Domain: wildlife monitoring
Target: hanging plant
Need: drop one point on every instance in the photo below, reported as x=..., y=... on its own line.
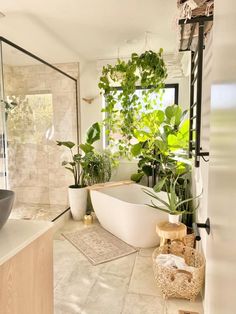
x=123, y=106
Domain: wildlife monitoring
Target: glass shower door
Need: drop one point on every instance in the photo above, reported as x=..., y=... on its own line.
x=3, y=160
x=41, y=109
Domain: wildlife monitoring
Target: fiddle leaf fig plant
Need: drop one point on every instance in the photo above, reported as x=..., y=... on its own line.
x=160, y=135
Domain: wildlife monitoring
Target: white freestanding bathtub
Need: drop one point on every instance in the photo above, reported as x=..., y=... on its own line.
x=122, y=211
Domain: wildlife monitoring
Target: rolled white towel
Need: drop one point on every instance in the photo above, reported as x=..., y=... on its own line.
x=171, y=260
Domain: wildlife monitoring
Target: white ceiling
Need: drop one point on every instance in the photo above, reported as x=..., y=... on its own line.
x=67, y=30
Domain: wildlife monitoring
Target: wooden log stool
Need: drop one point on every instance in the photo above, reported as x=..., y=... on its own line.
x=168, y=231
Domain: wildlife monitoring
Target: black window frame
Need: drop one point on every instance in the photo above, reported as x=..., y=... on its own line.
x=175, y=86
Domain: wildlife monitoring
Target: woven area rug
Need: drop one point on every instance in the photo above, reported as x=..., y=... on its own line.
x=99, y=245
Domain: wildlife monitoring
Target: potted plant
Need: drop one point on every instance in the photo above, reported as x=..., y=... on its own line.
x=173, y=205
x=77, y=166
x=160, y=135
x=97, y=167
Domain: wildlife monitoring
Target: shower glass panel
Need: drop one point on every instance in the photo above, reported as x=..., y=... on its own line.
x=3, y=178
x=40, y=108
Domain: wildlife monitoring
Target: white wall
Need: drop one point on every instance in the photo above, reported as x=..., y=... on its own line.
x=184, y=90
x=90, y=113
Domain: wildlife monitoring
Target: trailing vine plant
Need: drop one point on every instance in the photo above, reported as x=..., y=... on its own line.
x=148, y=71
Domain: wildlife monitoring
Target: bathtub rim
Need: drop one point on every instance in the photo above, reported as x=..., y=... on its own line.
x=100, y=190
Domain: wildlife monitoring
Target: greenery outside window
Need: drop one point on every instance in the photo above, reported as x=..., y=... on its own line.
x=166, y=97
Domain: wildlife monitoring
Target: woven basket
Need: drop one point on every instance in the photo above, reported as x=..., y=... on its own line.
x=204, y=8
x=189, y=240
x=175, y=282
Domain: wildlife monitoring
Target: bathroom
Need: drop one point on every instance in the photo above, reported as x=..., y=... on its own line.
x=52, y=60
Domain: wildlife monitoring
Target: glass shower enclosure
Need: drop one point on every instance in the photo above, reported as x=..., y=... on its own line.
x=38, y=106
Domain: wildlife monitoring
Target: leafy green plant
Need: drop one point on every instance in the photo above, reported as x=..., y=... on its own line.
x=158, y=139
x=147, y=70
x=162, y=137
x=77, y=162
x=74, y=164
x=97, y=167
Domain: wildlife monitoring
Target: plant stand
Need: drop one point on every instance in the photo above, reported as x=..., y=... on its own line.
x=169, y=231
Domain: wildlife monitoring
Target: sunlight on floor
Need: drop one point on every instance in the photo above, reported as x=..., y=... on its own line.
x=125, y=285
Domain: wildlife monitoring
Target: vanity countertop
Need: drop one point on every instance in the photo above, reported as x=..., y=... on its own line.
x=17, y=234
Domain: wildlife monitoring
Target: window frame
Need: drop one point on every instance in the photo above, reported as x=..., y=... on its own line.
x=175, y=86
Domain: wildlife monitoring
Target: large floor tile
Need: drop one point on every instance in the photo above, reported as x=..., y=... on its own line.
x=65, y=307
x=75, y=286
x=125, y=285
x=65, y=256
x=142, y=280
x=146, y=252
x=107, y=295
x=121, y=267
x=143, y=304
x=61, y=247
x=174, y=305
x=70, y=226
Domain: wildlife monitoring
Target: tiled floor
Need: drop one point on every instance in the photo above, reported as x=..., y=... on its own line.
x=37, y=211
x=125, y=285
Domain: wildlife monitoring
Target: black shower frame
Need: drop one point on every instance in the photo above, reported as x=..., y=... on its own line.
x=30, y=54
x=195, y=149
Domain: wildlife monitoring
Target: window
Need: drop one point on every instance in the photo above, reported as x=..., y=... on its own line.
x=167, y=98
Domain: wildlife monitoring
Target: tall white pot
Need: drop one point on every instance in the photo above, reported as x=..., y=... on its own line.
x=78, y=202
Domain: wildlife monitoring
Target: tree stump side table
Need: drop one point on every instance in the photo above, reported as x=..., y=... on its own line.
x=169, y=231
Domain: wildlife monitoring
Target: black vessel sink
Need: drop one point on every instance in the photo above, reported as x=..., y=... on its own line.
x=6, y=202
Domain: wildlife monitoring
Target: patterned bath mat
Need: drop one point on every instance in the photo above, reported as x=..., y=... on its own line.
x=99, y=245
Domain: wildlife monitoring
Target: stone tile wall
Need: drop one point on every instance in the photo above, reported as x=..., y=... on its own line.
x=35, y=170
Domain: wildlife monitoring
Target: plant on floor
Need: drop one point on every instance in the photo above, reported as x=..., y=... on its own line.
x=75, y=165
x=88, y=167
x=148, y=71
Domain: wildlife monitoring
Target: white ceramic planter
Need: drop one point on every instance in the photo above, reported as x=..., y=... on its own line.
x=174, y=219
x=78, y=202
